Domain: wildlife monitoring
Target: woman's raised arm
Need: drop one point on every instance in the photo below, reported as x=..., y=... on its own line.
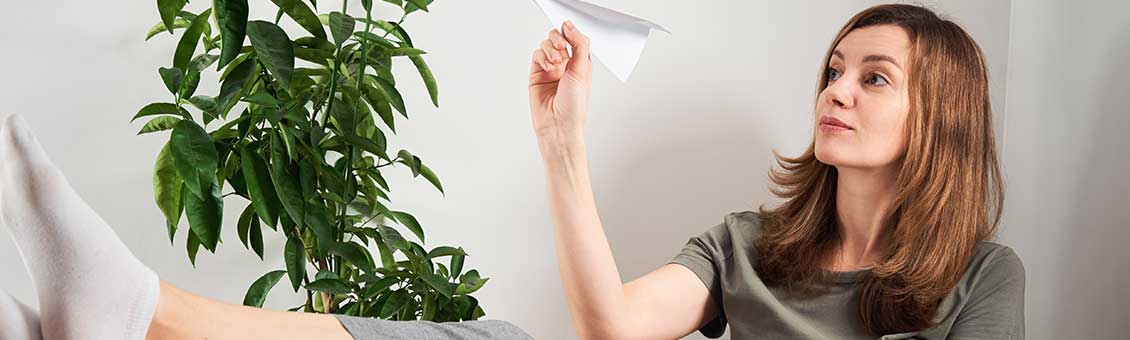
x=667, y=303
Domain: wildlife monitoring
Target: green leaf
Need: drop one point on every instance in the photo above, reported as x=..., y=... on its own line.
x=345, y=116
x=377, y=100
x=204, y=103
x=172, y=77
x=232, y=86
x=429, y=79
x=410, y=160
x=205, y=215
x=302, y=14
x=260, y=187
x=318, y=220
x=399, y=52
x=470, y=283
x=390, y=92
x=187, y=45
x=243, y=227
x=160, y=27
x=168, y=10
x=160, y=109
x=376, y=176
x=354, y=253
x=272, y=46
x=393, y=239
x=194, y=154
x=409, y=222
x=457, y=264
x=167, y=186
x=439, y=283
x=295, y=261
x=262, y=98
x=285, y=179
x=159, y=124
x=387, y=259
x=313, y=55
x=366, y=145
x=341, y=27
x=329, y=285
x=431, y=177
x=257, y=293
x=189, y=83
x=445, y=251
x=395, y=302
x=380, y=286
x=256, y=237
x=201, y=62
x=193, y=243
x=413, y=5
x=380, y=42
x=442, y=270
x=231, y=15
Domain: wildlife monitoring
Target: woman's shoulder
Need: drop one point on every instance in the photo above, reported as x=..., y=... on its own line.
x=997, y=256
x=992, y=266
x=735, y=233
x=743, y=225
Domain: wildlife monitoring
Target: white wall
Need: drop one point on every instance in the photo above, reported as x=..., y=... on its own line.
x=686, y=141
x=1066, y=165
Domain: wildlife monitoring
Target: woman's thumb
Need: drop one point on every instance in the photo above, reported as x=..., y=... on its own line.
x=580, y=60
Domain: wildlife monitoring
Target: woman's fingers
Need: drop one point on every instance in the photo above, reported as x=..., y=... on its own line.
x=554, y=55
x=540, y=59
x=558, y=40
x=553, y=52
x=580, y=61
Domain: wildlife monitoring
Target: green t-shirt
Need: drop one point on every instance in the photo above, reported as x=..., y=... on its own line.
x=988, y=303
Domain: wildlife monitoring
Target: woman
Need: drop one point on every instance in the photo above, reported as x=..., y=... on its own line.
x=883, y=229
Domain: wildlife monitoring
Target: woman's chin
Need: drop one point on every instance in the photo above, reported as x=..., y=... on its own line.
x=831, y=154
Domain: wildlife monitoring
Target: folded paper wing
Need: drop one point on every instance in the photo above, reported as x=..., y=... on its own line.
x=617, y=39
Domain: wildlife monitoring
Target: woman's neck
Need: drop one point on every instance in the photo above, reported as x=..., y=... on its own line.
x=863, y=200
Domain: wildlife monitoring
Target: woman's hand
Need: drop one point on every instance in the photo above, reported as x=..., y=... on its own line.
x=559, y=85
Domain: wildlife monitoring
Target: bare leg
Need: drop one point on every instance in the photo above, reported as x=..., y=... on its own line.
x=183, y=315
x=17, y=320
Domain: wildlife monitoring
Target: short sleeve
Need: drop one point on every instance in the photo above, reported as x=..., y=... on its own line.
x=702, y=255
x=995, y=309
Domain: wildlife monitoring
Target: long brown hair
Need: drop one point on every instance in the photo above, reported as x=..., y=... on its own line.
x=949, y=191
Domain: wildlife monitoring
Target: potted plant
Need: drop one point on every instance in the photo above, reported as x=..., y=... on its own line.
x=297, y=138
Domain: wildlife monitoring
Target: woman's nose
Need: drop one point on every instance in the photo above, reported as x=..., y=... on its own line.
x=839, y=94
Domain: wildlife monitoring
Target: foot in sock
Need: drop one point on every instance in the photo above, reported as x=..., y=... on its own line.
x=90, y=285
x=17, y=320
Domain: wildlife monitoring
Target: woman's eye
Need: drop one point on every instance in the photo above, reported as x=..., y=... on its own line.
x=876, y=78
x=833, y=74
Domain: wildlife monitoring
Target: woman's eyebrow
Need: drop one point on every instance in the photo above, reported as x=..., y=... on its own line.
x=872, y=58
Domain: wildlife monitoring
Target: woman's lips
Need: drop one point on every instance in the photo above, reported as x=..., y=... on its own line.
x=832, y=124
x=829, y=128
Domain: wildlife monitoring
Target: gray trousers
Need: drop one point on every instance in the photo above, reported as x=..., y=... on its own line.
x=374, y=329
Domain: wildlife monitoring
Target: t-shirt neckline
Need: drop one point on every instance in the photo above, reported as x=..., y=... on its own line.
x=853, y=276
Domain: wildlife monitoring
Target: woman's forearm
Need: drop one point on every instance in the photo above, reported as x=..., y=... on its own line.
x=588, y=270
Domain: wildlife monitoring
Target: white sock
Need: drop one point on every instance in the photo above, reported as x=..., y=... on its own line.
x=17, y=320
x=90, y=285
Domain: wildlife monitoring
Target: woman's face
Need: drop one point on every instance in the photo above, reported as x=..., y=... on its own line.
x=867, y=92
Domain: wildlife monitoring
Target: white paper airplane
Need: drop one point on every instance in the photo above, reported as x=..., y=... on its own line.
x=617, y=39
